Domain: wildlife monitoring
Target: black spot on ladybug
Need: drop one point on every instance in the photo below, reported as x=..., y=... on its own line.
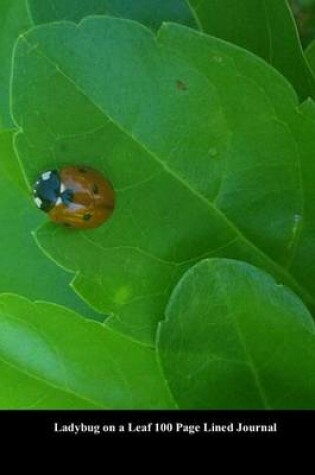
x=95, y=189
x=82, y=170
x=87, y=217
x=181, y=85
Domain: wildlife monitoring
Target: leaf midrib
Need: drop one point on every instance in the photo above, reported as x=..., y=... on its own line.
x=280, y=271
x=250, y=361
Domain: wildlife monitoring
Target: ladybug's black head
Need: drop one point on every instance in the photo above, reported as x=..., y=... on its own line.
x=46, y=190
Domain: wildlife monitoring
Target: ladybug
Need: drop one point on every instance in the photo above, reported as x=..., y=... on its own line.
x=77, y=196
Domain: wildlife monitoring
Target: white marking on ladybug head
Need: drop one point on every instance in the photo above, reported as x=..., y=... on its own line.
x=46, y=176
x=58, y=201
x=38, y=202
x=62, y=188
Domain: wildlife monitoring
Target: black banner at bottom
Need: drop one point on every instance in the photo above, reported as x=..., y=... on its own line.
x=157, y=424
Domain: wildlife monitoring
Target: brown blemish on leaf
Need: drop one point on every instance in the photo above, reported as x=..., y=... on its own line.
x=181, y=85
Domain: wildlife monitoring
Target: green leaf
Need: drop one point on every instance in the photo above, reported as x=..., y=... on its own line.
x=56, y=358
x=21, y=391
x=265, y=27
x=205, y=146
x=310, y=55
x=14, y=19
x=234, y=338
x=149, y=12
x=24, y=269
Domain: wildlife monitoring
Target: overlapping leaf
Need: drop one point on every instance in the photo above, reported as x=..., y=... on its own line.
x=203, y=144
x=234, y=338
x=52, y=357
x=265, y=27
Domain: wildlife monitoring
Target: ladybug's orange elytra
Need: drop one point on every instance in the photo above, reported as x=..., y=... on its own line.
x=76, y=196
